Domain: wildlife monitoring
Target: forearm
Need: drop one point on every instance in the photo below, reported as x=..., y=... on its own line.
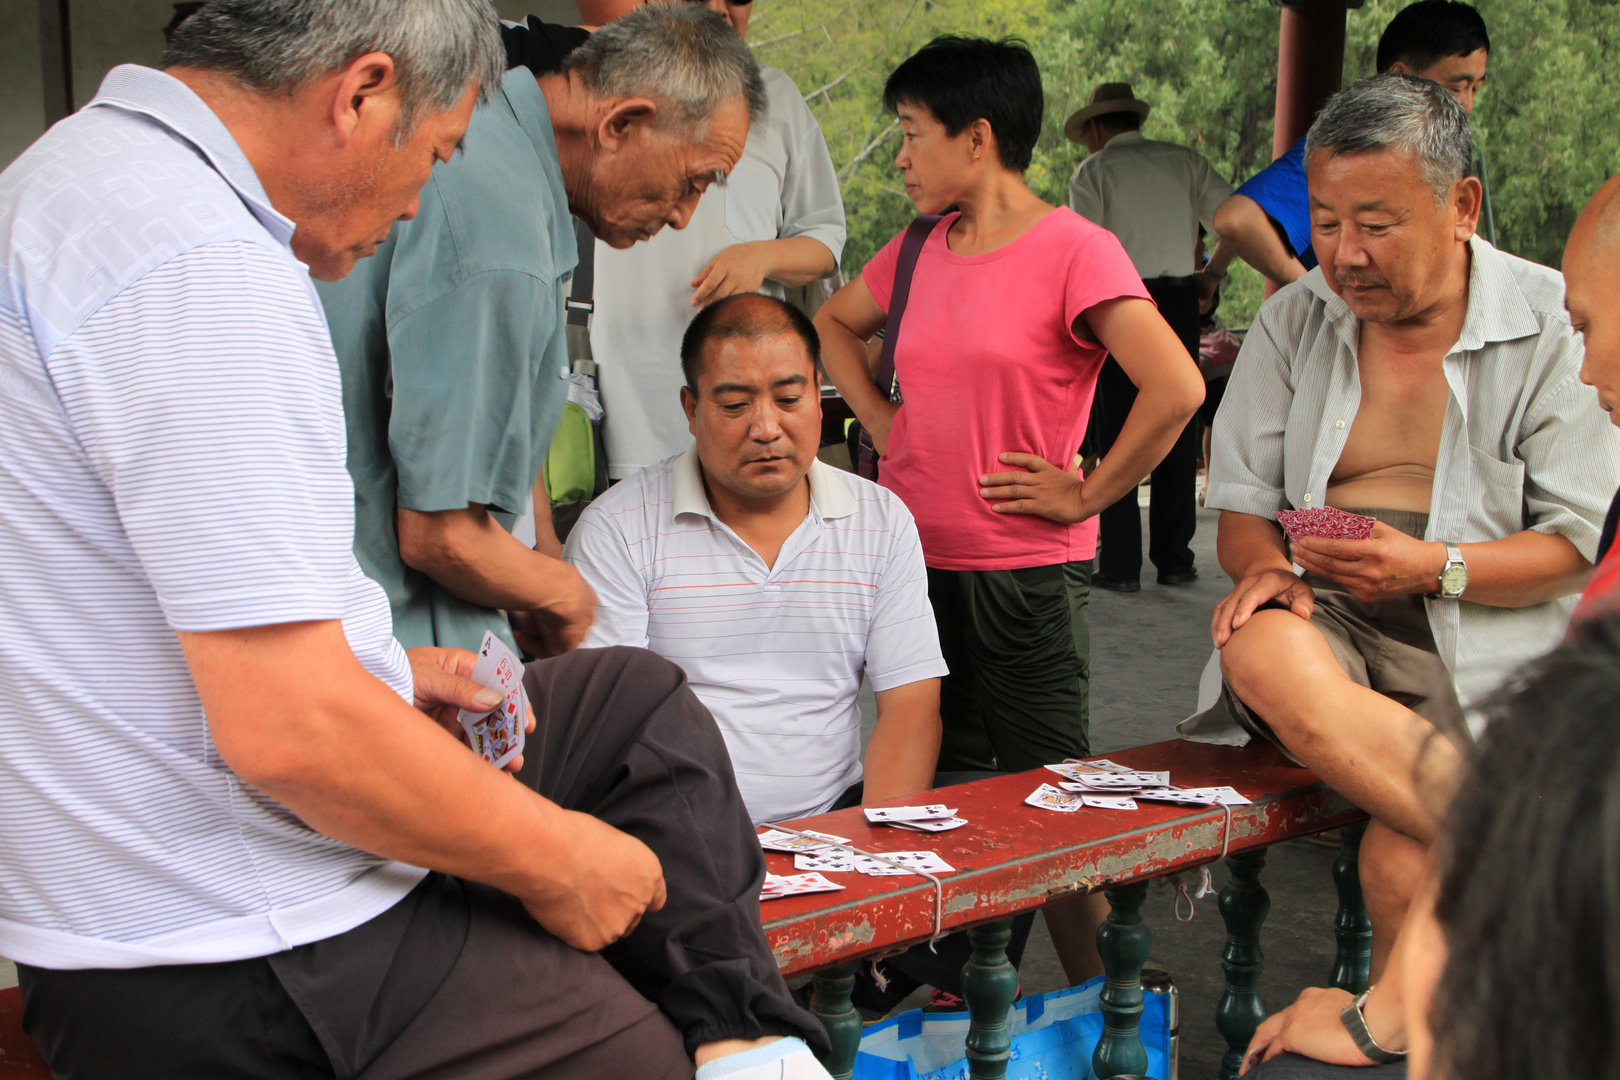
x=1247, y=232
x=904, y=749
x=1154, y=425
x=1219, y=259
x=1519, y=570
x=1247, y=544
x=797, y=260
x=545, y=530
x=470, y=555
x=843, y=355
x=357, y=763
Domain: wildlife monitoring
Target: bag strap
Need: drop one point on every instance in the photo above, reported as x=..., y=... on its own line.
x=910, y=247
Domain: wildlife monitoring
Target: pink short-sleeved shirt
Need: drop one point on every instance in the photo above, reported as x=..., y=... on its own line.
x=988, y=362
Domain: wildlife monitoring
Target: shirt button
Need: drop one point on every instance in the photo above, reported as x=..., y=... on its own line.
x=1307, y=496
x=1338, y=423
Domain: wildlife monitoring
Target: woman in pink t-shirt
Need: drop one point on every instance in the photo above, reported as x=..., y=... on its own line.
x=1013, y=305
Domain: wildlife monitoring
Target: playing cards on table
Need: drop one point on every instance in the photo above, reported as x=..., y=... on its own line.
x=497, y=736
x=776, y=887
x=1327, y=522
x=1104, y=785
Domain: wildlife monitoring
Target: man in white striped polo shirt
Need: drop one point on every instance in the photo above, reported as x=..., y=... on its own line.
x=229, y=846
x=1427, y=380
x=771, y=578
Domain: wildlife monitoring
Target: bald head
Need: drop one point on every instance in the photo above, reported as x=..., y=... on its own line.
x=744, y=317
x=1592, y=292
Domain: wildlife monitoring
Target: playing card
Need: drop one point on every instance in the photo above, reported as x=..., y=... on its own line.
x=882, y=815
x=945, y=825
x=777, y=840
x=1124, y=781
x=1079, y=770
x=497, y=736
x=1325, y=521
x=1109, y=802
x=1048, y=797
x=1180, y=796
x=831, y=862
x=776, y=887
x=927, y=861
x=867, y=865
x=1081, y=787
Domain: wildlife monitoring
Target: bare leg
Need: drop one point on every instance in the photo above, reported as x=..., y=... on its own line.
x=1073, y=925
x=1391, y=870
x=1365, y=746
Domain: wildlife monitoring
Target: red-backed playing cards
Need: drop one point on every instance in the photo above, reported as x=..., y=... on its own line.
x=1328, y=522
x=497, y=736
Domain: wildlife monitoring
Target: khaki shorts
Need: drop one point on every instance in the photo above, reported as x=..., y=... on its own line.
x=1385, y=646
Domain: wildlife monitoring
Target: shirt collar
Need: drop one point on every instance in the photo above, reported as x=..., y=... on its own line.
x=1124, y=138
x=1497, y=309
x=829, y=495
x=169, y=102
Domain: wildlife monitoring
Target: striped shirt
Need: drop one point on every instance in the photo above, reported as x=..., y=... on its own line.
x=777, y=652
x=171, y=459
x=1524, y=444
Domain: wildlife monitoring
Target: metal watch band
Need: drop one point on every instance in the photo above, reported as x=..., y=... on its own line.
x=1355, y=1022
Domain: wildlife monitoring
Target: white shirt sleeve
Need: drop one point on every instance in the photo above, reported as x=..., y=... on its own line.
x=902, y=645
x=811, y=203
x=1084, y=197
x=1246, y=472
x=598, y=551
x=1210, y=191
x=216, y=426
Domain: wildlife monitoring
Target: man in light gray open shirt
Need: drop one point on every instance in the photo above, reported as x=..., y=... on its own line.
x=1424, y=378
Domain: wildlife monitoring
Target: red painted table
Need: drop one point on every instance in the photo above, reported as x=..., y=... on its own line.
x=1013, y=858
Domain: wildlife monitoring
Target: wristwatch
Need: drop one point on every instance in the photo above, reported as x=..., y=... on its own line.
x=1355, y=1022
x=1453, y=576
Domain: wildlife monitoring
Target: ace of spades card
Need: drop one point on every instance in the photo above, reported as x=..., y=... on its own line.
x=497, y=736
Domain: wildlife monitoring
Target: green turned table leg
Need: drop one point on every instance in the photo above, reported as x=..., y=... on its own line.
x=1244, y=905
x=831, y=1006
x=989, y=984
x=1352, y=962
x=1123, y=942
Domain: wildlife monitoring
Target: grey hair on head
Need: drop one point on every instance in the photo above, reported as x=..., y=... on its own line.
x=439, y=47
x=684, y=57
x=1398, y=112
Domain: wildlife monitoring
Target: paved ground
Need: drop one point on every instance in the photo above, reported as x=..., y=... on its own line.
x=1147, y=651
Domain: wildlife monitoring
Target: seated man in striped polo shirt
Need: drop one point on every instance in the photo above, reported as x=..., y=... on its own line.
x=774, y=580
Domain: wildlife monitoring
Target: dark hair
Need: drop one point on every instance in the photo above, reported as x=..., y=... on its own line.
x=751, y=316
x=1429, y=31
x=1116, y=122
x=963, y=79
x=1530, y=877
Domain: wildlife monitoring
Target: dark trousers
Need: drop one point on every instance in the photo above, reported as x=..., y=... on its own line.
x=1018, y=646
x=457, y=980
x=1173, y=512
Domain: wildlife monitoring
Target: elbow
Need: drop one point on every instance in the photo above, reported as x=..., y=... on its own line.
x=278, y=750
x=1234, y=221
x=429, y=544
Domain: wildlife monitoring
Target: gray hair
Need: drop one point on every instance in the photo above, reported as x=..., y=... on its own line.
x=439, y=47
x=682, y=56
x=1398, y=112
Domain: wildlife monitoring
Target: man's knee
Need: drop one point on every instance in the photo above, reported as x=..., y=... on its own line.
x=1390, y=866
x=1273, y=662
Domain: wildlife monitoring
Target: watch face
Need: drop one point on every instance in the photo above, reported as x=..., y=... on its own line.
x=1454, y=579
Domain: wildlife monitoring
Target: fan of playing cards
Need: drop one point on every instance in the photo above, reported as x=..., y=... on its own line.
x=1327, y=522
x=1105, y=785
x=497, y=736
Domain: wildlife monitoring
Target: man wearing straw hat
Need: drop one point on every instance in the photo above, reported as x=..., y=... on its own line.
x=1153, y=196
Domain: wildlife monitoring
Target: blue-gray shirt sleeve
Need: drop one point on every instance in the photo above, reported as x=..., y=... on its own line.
x=479, y=381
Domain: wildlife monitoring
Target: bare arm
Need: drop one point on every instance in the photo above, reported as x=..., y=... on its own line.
x=846, y=322
x=545, y=530
x=1169, y=391
x=793, y=261
x=904, y=748
x=471, y=555
x=1247, y=232
x=1526, y=568
x=289, y=706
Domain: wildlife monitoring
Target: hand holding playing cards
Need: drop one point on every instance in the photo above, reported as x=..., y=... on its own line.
x=1043, y=489
x=561, y=624
x=606, y=880
x=1255, y=590
x=443, y=687
x=1387, y=564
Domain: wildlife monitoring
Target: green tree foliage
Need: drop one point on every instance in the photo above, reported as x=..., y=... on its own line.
x=1547, y=118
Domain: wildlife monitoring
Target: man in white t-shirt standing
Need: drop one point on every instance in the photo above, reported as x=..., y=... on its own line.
x=774, y=580
x=778, y=221
x=230, y=845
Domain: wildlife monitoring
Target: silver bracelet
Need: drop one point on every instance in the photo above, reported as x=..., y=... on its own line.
x=1355, y=1022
